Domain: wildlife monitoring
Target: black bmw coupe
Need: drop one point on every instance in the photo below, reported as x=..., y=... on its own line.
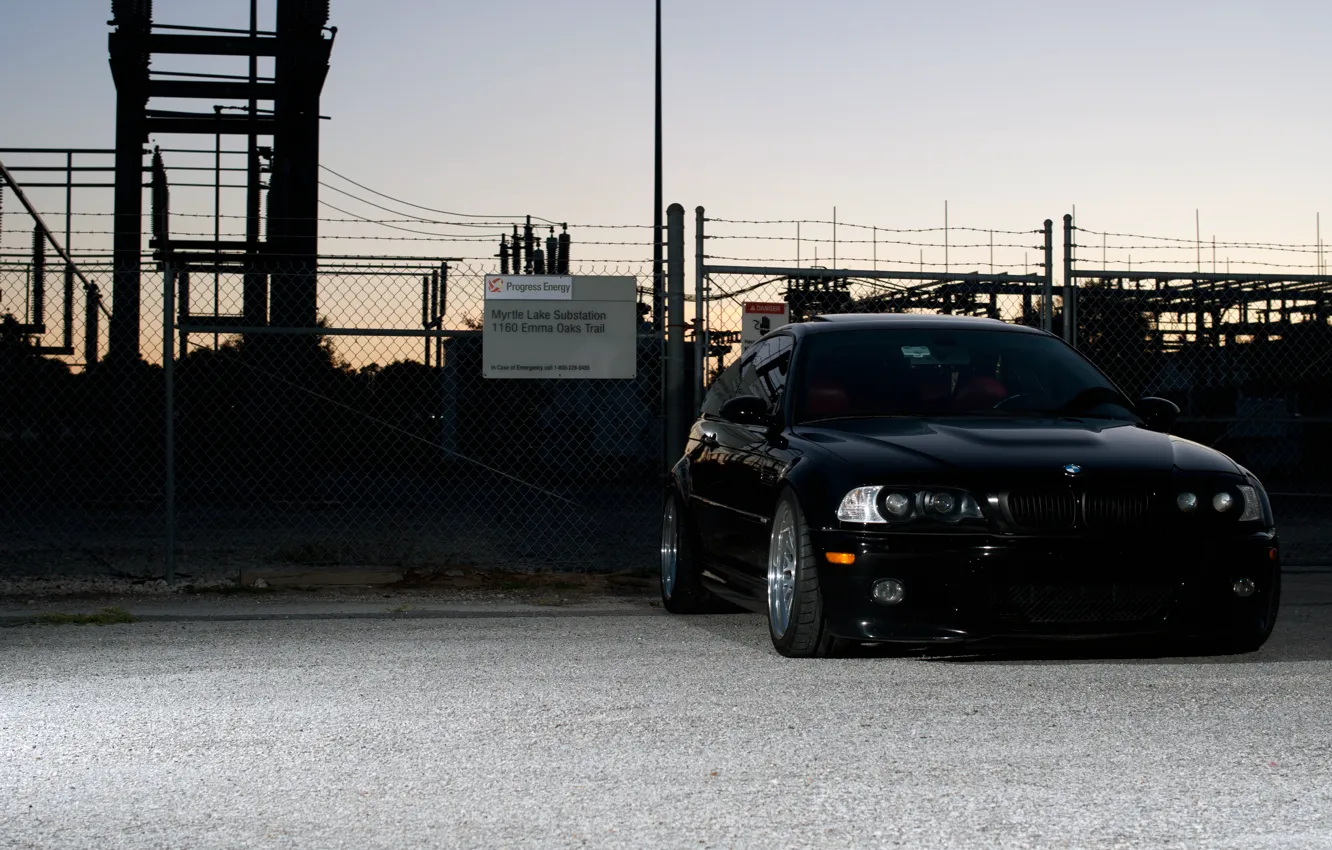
x=944, y=480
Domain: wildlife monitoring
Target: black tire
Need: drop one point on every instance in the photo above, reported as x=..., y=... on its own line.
x=682, y=592
x=1251, y=630
x=805, y=633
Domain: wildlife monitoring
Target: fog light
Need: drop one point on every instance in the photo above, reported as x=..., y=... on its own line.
x=1243, y=588
x=1187, y=502
x=887, y=591
x=1223, y=502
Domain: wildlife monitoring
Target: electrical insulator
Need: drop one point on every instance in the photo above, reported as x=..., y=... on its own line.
x=538, y=261
x=517, y=252
x=529, y=243
x=504, y=254
x=564, y=253
x=552, y=253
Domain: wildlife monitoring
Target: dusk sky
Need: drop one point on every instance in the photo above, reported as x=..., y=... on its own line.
x=1137, y=112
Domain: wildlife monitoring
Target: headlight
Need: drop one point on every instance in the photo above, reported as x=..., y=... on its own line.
x=1237, y=503
x=879, y=505
x=1253, y=508
x=861, y=505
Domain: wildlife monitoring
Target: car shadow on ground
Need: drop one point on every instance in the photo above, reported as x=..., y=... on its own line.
x=1303, y=633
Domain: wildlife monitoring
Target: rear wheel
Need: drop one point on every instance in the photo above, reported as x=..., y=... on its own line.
x=795, y=604
x=681, y=590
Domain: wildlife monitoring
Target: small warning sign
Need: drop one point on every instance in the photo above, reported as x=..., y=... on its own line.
x=760, y=317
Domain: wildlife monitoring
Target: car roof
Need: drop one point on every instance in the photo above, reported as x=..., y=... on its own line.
x=833, y=322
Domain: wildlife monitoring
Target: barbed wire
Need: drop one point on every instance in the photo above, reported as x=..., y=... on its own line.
x=829, y=222
x=1194, y=243
x=1206, y=263
x=1206, y=246
x=831, y=241
x=886, y=263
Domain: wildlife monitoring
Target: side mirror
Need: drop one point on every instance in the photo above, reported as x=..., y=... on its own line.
x=1158, y=414
x=746, y=410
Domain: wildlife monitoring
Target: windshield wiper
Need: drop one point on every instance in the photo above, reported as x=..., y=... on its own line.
x=1091, y=397
x=858, y=416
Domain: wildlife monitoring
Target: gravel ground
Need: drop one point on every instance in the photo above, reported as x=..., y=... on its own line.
x=623, y=727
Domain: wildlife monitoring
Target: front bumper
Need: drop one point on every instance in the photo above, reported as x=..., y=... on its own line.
x=964, y=588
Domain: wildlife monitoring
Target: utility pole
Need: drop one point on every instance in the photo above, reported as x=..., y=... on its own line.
x=658, y=283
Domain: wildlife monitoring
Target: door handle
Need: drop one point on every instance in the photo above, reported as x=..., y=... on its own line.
x=709, y=439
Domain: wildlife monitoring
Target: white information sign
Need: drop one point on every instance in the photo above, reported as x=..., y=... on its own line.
x=760, y=317
x=554, y=326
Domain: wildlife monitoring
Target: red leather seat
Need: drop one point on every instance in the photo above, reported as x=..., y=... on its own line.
x=825, y=398
x=978, y=393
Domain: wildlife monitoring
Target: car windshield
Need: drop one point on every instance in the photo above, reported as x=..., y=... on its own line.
x=947, y=372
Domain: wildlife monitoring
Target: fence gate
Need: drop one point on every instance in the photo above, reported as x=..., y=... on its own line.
x=384, y=445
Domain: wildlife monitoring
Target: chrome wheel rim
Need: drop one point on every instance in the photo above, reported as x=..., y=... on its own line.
x=670, y=547
x=781, y=570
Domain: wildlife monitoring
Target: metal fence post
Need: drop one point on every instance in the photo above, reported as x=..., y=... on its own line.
x=700, y=329
x=169, y=399
x=1070, y=290
x=1047, y=292
x=676, y=422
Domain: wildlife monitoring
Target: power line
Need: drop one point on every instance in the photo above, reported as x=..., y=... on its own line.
x=420, y=207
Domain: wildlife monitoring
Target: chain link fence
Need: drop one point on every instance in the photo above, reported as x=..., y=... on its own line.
x=371, y=440
x=1238, y=335
x=81, y=437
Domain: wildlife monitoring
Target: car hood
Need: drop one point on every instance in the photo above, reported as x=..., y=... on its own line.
x=1097, y=446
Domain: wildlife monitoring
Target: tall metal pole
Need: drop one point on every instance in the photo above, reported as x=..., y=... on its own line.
x=945, y=236
x=658, y=281
x=254, y=288
x=169, y=398
x=1070, y=291
x=677, y=423
x=69, y=198
x=1047, y=291
x=700, y=329
x=217, y=223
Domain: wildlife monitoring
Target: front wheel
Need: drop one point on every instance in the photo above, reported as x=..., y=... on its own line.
x=795, y=604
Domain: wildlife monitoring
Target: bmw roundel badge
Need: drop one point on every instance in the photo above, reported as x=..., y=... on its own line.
x=1072, y=469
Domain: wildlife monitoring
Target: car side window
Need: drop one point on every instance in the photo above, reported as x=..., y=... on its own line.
x=738, y=379
x=751, y=368
x=724, y=387
x=770, y=370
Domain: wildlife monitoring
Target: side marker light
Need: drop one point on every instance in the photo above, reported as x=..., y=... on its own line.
x=840, y=557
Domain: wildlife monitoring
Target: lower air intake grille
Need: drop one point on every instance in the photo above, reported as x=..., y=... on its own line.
x=1090, y=603
x=1049, y=510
